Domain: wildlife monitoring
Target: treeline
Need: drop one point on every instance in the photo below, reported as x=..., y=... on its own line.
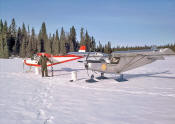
x=23, y=42
x=118, y=48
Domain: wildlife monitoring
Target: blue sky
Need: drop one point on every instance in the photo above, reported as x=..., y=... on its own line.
x=123, y=22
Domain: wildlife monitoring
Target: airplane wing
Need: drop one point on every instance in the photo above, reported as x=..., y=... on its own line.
x=136, y=58
x=146, y=52
x=55, y=59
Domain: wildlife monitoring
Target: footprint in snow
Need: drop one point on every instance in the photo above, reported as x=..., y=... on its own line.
x=49, y=120
x=41, y=114
x=49, y=105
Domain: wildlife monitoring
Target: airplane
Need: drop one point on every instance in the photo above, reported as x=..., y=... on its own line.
x=61, y=59
x=58, y=59
x=121, y=61
x=54, y=59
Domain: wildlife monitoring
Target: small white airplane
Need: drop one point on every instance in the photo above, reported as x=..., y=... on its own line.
x=58, y=59
x=54, y=59
x=122, y=61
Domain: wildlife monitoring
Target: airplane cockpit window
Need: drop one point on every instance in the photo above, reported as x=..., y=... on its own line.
x=35, y=57
x=115, y=60
x=107, y=60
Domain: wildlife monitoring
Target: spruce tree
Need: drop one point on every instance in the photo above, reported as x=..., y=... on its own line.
x=67, y=44
x=50, y=40
x=40, y=43
x=109, y=49
x=47, y=44
x=23, y=49
x=18, y=41
x=62, y=42
x=3, y=42
x=28, y=30
x=1, y=26
x=32, y=45
x=44, y=44
x=1, y=46
x=105, y=48
x=29, y=50
x=24, y=42
x=82, y=39
x=100, y=47
x=12, y=39
x=5, y=37
x=93, y=44
x=34, y=41
x=56, y=44
x=29, y=44
x=12, y=28
x=87, y=41
x=6, y=51
x=72, y=39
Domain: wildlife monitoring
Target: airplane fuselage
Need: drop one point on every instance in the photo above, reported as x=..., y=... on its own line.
x=92, y=54
x=126, y=60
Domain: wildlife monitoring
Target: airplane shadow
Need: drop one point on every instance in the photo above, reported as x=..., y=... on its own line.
x=60, y=74
x=155, y=74
x=65, y=69
x=68, y=69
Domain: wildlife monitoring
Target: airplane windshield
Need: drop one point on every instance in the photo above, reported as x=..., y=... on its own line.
x=115, y=60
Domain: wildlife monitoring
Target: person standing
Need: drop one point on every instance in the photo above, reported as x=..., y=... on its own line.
x=43, y=62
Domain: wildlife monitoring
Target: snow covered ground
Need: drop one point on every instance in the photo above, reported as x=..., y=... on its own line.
x=147, y=98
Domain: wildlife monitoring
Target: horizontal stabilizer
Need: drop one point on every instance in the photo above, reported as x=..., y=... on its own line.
x=167, y=51
x=156, y=57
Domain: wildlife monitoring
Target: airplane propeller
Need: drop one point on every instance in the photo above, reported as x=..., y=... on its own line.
x=86, y=63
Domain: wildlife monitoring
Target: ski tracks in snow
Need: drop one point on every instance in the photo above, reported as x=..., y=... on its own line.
x=43, y=101
x=46, y=98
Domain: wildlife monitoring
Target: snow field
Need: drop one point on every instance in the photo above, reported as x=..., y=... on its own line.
x=148, y=97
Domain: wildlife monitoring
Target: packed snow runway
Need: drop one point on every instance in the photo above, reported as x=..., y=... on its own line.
x=148, y=97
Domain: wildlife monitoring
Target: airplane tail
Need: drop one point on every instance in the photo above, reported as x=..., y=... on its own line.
x=82, y=49
x=46, y=54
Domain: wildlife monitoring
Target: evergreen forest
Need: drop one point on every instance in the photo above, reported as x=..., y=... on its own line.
x=25, y=42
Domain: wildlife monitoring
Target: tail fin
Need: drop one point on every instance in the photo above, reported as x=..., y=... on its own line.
x=46, y=54
x=82, y=49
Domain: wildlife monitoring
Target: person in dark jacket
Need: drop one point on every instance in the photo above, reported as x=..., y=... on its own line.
x=43, y=62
